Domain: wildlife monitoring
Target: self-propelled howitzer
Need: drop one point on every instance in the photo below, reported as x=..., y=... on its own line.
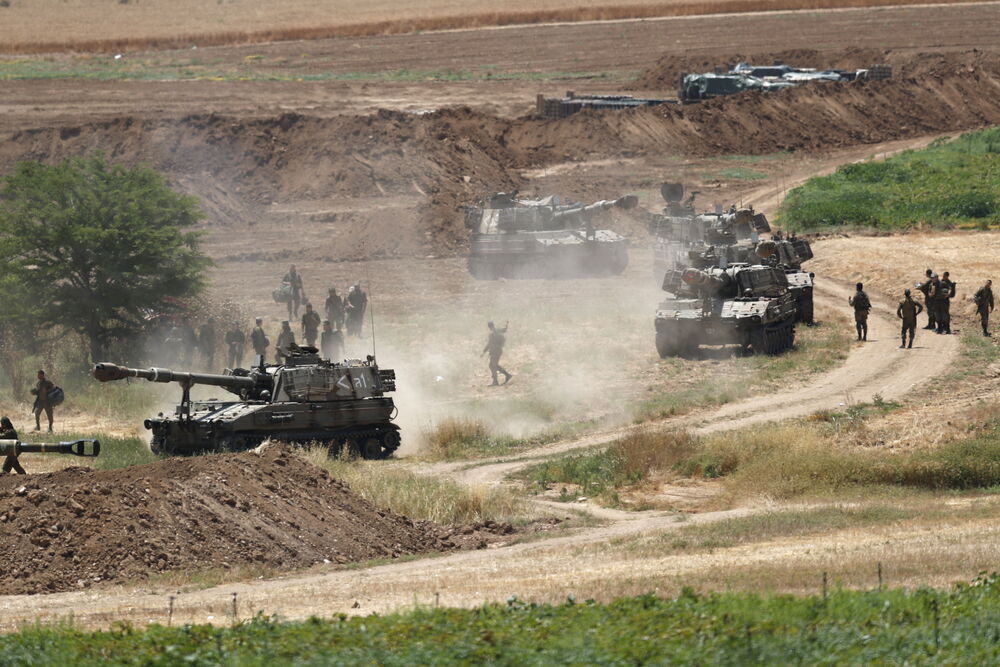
x=303, y=400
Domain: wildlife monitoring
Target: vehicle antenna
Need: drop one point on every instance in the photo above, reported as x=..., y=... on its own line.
x=371, y=299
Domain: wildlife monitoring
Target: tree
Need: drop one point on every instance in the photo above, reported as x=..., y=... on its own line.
x=91, y=247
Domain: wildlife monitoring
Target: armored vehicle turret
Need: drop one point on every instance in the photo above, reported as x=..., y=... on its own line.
x=543, y=238
x=746, y=305
x=303, y=400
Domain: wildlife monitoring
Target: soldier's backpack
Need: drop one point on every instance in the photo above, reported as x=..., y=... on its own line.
x=56, y=396
x=283, y=294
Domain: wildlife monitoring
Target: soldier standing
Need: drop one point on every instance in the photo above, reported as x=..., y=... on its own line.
x=189, y=341
x=286, y=338
x=42, y=401
x=331, y=342
x=235, y=341
x=862, y=306
x=944, y=293
x=7, y=432
x=494, y=345
x=206, y=343
x=907, y=311
x=259, y=339
x=310, y=325
x=357, y=302
x=984, y=305
x=334, y=308
x=925, y=289
x=294, y=280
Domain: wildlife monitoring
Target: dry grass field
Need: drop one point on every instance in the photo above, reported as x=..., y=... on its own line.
x=86, y=25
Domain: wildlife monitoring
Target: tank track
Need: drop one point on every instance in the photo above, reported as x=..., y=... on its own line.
x=368, y=443
x=773, y=339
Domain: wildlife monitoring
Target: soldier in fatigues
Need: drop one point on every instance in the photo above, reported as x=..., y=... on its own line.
x=235, y=341
x=334, y=309
x=206, y=343
x=984, y=305
x=42, y=402
x=7, y=432
x=310, y=325
x=862, y=306
x=944, y=292
x=259, y=339
x=494, y=345
x=286, y=338
x=294, y=280
x=925, y=289
x=907, y=311
x=331, y=342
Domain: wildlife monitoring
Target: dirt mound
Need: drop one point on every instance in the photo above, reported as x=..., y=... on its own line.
x=77, y=527
x=392, y=183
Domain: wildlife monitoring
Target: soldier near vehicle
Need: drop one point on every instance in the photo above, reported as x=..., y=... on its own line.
x=494, y=345
x=44, y=400
x=189, y=340
x=259, y=339
x=334, y=309
x=925, y=289
x=944, y=292
x=862, y=306
x=10, y=462
x=984, y=305
x=207, y=342
x=235, y=341
x=286, y=338
x=310, y=325
x=294, y=281
x=907, y=311
x=331, y=342
x=357, y=302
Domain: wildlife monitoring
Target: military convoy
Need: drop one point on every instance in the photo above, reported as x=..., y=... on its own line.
x=543, y=238
x=303, y=400
x=718, y=245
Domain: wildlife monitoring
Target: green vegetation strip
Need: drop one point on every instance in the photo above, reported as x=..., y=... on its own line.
x=951, y=183
x=856, y=627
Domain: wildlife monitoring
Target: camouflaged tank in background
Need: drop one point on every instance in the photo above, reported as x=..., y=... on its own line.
x=304, y=400
x=543, y=238
x=746, y=305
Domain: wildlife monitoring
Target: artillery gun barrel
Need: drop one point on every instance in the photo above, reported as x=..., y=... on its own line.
x=76, y=447
x=702, y=280
x=106, y=372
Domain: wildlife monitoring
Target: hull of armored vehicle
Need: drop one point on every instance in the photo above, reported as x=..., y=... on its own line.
x=362, y=426
x=548, y=254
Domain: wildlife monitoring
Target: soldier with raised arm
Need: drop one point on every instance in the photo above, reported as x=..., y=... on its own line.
x=494, y=345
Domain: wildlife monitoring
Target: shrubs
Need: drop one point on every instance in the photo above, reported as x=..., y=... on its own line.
x=459, y=438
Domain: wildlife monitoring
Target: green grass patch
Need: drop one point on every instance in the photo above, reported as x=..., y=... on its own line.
x=950, y=183
x=924, y=626
x=736, y=174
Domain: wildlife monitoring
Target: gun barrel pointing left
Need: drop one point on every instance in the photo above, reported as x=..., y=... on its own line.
x=76, y=447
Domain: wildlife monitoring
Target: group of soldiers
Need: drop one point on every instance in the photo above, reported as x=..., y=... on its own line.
x=347, y=312
x=938, y=294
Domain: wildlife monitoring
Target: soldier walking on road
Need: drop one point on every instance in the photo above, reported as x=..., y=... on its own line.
x=494, y=345
x=235, y=341
x=259, y=339
x=925, y=289
x=43, y=401
x=334, y=308
x=294, y=280
x=331, y=342
x=286, y=338
x=984, y=305
x=944, y=293
x=310, y=325
x=206, y=343
x=907, y=311
x=862, y=306
x=7, y=432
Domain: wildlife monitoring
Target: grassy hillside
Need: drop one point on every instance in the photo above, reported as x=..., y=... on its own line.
x=951, y=183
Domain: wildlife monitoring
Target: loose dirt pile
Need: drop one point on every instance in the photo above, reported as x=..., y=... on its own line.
x=78, y=527
x=420, y=168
